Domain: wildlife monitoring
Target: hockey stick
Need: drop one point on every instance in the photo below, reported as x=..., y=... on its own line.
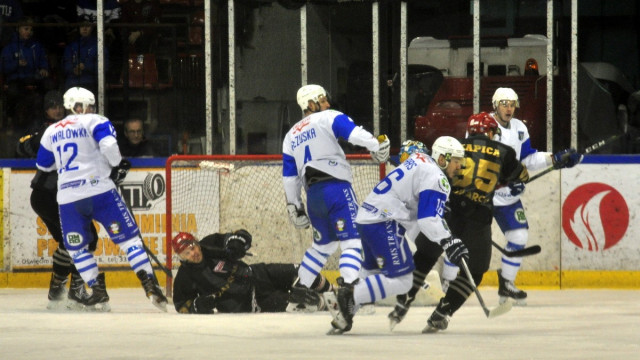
x=532, y=250
x=587, y=150
x=503, y=308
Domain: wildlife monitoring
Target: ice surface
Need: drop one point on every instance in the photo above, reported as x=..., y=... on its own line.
x=566, y=324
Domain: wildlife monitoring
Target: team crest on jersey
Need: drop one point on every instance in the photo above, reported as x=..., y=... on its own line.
x=340, y=225
x=114, y=228
x=519, y=215
x=316, y=235
x=380, y=261
x=444, y=184
x=74, y=238
x=520, y=135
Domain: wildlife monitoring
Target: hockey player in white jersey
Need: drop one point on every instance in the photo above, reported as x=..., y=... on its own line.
x=508, y=208
x=410, y=200
x=313, y=159
x=82, y=148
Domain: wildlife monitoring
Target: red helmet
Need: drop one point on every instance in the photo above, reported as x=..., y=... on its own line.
x=182, y=241
x=482, y=123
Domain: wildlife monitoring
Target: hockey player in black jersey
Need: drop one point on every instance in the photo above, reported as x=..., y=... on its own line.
x=488, y=164
x=213, y=278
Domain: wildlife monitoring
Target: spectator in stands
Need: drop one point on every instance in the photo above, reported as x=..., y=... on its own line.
x=142, y=40
x=10, y=12
x=81, y=60
x=26, y=71
x=134, y=143
x=87, y=11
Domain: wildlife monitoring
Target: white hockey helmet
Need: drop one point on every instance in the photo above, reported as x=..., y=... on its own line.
x=310, y=92
x=504, y=94
x=447, y=146
x=77, y=95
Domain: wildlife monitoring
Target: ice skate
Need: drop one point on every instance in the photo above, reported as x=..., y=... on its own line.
x=57, y=290
x=78, y=295
x=400, y=310
x=99, y=299
x=507, y=290
x=439, y=319
x=342, y=307
x=303, y=299
x=152, y=290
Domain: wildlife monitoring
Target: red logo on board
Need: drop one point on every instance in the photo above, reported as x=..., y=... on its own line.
x=595, y=216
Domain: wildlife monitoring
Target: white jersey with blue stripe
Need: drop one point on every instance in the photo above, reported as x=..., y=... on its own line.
x=414, y=195
x=82, y=149
x=313, y=142
x=516, y=135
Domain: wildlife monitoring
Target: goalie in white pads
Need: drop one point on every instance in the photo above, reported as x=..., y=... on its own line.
x=82, y=148
x=312, y=158
x=408, y=201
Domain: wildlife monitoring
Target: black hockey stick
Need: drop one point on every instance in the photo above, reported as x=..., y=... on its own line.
x=588, y=150
x=503, y=308
x=532, y=250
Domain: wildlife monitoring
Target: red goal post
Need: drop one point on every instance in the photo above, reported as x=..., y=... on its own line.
x=222, y=193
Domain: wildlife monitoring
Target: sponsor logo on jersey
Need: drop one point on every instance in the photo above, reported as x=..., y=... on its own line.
x=370, y=208
x=316, y=235
x=444, y=184
x=72, y=184
x=114, y=227
x=333, y=163
x=340, y=225
x=380, y=261
x=519, y=215
x=520, y=135
x=219, y=268
x=595, y=216
x=300, y=125
x=74, y=238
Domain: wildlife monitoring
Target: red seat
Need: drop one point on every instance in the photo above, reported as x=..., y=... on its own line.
x=143, y=71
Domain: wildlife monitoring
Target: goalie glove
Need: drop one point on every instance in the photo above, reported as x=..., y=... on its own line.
x=382, y=155
x=118, y=173
x=236, y=244
x=298, y=217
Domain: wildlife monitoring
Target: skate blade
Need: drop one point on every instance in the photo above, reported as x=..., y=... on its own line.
x=516, y=302
x=99, y=307
x=501, y=309
x=335, y=331
x=393, y=322
x=430, y=330
x=160, y=304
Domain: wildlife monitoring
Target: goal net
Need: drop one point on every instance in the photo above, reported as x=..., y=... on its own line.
x=223, y=193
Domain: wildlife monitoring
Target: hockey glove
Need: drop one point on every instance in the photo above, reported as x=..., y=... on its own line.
x=237, y=244
x=204, y=304
x=567, y=158
x=118, y=173
x=517, y=188
x=455, y=250
x=382, y=155
x=298, y=217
